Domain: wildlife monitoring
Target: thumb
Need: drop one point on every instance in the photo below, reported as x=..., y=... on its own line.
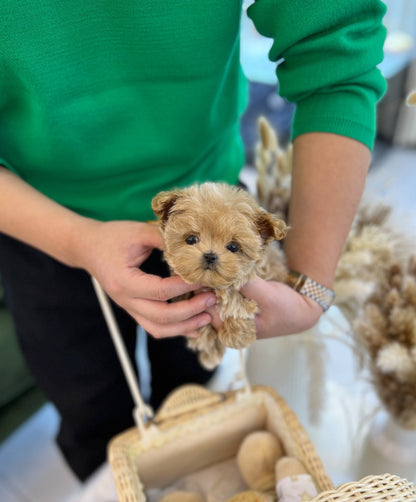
x=151, y=236
x=252, y=288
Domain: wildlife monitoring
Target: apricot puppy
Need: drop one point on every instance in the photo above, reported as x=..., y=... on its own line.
x=217, y=235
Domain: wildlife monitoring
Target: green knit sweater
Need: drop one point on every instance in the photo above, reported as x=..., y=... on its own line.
x=103, y=104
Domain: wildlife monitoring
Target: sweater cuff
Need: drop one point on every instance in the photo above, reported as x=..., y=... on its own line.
x=355, y=116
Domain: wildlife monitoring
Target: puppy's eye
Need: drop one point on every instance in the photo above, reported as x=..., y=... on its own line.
x=233, y=247
x=191, y=240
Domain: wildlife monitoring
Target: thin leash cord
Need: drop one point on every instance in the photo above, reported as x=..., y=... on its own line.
x=142, y=411
x=243, y=372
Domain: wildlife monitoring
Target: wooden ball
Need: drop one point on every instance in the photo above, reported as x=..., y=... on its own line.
x=256, y=459
x=181, y=496
x=249, y=496
x=289, y=466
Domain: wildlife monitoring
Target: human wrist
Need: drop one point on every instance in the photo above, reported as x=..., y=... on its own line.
x=317, y=263
x=311, y=258
x=310, y=288
x=79, y=235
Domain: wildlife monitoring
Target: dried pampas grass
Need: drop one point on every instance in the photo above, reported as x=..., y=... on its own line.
x=374, y=242
x=274, y=169
x=371, y=246
x=375, y=283
x=411, y=99
x=387, y=331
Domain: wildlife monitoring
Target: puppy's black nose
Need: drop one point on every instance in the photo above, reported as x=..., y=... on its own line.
x=210, y=258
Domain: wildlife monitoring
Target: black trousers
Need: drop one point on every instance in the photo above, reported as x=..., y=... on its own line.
x=65, y=341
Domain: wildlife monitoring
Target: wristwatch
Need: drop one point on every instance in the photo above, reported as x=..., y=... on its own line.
x=310, y=288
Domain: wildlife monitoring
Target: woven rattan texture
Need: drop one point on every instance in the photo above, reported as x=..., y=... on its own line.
x=125, y=449
x=190, y=397
x=372, y=489
x=306, y=451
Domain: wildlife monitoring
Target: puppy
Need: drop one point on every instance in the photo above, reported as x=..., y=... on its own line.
x=217, y=235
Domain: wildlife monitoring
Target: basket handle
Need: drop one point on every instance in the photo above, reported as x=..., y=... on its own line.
x=142, y=412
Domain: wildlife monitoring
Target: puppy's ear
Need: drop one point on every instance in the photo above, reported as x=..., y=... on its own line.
x=270, y=227
x=163, y=203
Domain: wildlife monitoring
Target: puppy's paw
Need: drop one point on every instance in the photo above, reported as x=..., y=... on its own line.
x=205, y=339
x=212, y=358
x=251, y=307
x=237, y=333
x=210, y=348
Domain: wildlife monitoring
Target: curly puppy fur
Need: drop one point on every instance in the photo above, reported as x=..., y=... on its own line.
x=216, y=235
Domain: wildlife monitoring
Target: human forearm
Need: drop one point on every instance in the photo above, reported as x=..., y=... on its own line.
x=33, y=218
x=329, y=173
x=110, y=251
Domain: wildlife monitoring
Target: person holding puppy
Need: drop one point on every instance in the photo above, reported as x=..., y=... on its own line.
x=102, y=105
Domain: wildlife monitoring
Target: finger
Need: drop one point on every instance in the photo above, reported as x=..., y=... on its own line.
x=216, y=320
x=170, y=313
x=253, y=288
x=189, y=327
x=151, y=236
x=192, y=334
x=153, y=287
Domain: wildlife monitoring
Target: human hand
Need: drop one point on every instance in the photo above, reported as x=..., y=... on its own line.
x=112, y=252
x=282, y=311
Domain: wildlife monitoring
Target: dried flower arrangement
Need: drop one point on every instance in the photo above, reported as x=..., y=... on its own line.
x=387, y=330
x=373, y=245
x=375, y=284
x=411, y=98
x=274, y=168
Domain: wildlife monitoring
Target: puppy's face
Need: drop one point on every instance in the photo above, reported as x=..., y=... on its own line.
x=214, y=233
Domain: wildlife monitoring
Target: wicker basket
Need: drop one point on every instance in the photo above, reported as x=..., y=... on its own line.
x=205, y=435
x=196, y=428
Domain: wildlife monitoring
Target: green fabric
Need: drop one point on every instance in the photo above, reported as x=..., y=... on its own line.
x=327, y=54
x=102, y=104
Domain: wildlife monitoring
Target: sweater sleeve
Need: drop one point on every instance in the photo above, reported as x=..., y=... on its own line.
x=327, y=55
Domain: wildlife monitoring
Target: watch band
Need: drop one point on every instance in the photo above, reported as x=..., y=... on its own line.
x=310, y=288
